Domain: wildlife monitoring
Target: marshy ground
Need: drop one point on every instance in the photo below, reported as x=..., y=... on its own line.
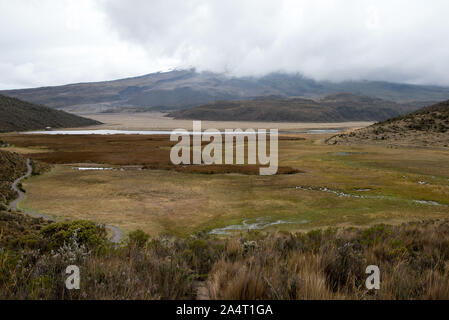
x=369, y=184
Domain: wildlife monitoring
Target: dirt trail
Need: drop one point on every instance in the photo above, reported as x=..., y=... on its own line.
x=201, y=290
x=117, y=233
x=21, y=194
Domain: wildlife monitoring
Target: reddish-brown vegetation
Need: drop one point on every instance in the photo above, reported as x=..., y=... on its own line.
x=152, y=152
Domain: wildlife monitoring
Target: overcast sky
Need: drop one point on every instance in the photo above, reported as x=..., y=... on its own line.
x=51, y=42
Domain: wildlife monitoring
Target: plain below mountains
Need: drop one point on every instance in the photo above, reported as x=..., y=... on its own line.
x=333, y=108
x=187, y=88
x=428, y=126
x=18, y=115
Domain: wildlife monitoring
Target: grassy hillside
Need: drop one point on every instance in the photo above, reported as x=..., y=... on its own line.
x=428, y=126
x=18, y=115
x=334, y=108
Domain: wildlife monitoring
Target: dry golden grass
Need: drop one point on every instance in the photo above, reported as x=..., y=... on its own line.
x=331, y=265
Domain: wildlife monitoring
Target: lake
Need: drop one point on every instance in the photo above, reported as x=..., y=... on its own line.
x=153, y=132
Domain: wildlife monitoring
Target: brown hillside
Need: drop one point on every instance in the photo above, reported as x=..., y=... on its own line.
x=426, y=127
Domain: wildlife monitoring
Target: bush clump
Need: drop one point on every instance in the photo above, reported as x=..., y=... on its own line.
x=138, y=238
x=88, y=234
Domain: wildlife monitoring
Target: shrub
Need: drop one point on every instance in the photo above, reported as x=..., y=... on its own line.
x=138, y=238
x=344, y=268
x=88, y=234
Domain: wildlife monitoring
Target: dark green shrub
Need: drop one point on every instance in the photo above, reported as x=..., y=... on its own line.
x=376, y=234
x=87, y=233
x=138, y=238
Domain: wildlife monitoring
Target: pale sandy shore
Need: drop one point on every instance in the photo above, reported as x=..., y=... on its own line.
x=157, y=121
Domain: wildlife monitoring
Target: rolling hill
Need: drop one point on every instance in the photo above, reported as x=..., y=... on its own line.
x=428, y=126
x=18, y=115
x=187, y=88
x=333, y=108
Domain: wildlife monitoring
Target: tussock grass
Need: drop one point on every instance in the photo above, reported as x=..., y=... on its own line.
x=325, y=264
x=331, y=265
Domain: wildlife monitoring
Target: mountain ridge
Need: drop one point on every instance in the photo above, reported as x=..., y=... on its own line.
x=339, y=107
x=187, y=88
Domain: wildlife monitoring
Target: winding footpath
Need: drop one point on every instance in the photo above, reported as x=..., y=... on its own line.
x=21, y=196
x=117, y=233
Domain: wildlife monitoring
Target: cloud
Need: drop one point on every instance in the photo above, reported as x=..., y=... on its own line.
x=58, y=42
x=337, y=40
x=63, y=41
